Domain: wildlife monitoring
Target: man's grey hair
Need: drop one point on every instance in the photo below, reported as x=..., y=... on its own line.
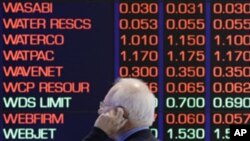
x=135, y=96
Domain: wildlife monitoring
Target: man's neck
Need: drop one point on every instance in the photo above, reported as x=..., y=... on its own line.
x=127, y=128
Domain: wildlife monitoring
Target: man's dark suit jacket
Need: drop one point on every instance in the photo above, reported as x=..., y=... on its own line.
x=98, y=135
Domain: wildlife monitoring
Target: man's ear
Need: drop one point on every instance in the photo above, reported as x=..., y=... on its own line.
x=125, y=115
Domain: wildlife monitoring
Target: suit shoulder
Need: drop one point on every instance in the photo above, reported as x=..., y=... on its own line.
x=143, y=135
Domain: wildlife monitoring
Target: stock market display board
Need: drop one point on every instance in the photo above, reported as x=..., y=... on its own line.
x=59, y=58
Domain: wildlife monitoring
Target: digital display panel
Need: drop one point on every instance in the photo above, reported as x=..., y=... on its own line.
x=59, y=59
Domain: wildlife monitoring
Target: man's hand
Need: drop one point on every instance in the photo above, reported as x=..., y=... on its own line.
x=111, y=122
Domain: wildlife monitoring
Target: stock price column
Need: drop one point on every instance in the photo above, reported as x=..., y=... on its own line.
x=138, y=25
x=230, y=86
x=184, y=53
